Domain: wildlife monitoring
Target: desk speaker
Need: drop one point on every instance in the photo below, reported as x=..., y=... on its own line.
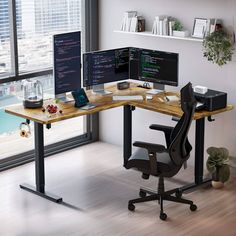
x=122, y=85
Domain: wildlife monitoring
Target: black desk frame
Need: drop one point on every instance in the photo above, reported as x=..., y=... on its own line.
x=39, y=167
x=127, y=151
x=199, y=148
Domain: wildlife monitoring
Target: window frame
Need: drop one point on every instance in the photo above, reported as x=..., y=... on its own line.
x=89, y=28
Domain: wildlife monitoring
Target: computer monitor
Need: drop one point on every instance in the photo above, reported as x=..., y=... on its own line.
x=105, y=66
x=67, y=63
x=160, y=68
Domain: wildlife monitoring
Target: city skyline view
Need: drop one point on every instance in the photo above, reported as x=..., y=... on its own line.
x=36, y=22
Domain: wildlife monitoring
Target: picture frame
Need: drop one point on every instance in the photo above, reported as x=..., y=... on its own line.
x=199, y=28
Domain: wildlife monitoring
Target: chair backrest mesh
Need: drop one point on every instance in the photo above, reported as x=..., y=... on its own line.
x=180, y=147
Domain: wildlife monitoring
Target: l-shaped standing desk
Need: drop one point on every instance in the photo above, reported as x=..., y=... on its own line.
x=157, y=104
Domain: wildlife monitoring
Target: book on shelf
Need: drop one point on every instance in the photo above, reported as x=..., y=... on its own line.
x=134, y=24
x=155, y=28
x=127, y=19
x=211, y=25
x=171, y=24
x=161, y=25
x=122, y=28
x=217, y=24
x=165, y=26
x=141, y=24
x=137, y=24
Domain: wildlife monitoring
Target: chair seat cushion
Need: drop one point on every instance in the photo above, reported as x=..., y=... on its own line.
x=140, y=160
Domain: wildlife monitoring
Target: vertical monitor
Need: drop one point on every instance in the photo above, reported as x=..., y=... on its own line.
x=105, y=66
x=67, y=62
x=154, y=66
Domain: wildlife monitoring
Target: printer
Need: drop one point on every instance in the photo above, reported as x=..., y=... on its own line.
x=212, y=100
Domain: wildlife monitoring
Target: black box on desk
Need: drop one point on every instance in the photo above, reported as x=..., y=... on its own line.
x=212, y=100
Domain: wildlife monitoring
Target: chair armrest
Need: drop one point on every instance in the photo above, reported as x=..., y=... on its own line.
x=151, y=147
x=167, y=131
x=163, y=128
x=152, y=150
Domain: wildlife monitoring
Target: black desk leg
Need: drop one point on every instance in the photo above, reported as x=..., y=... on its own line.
x=39, y=167
x=127, y=151
x=199, y=150
x=199, y=157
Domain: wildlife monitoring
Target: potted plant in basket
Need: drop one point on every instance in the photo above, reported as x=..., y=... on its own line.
x=218, y=47
x=218, y=165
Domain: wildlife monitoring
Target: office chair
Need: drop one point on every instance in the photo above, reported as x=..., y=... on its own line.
x=160, y=161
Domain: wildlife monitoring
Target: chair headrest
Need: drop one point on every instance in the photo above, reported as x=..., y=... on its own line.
x=187, y=96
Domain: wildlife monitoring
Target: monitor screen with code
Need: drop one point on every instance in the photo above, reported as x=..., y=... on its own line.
x=67, y=62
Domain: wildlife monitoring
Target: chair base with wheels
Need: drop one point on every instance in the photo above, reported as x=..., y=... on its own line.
x=165, y=162
x=161, y=195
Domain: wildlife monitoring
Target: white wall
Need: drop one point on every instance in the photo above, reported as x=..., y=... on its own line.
x=192, y=66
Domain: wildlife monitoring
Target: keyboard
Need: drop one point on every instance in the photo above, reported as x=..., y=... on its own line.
x=126, y=97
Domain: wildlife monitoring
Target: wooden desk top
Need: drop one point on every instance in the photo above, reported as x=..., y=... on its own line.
x=157, y=104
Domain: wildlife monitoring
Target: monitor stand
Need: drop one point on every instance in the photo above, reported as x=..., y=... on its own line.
x=63, y=98
x=157, y=88
x=99, y=89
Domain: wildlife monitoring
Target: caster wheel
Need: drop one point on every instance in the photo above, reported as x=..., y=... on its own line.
x=178, y=194
x=163, y=216
x=142, y=193
x=131, y=207
x=193, y=207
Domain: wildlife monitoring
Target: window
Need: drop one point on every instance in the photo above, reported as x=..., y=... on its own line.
x=37, y=21
x=11, y=143
x=5, y=55
x=26, y=29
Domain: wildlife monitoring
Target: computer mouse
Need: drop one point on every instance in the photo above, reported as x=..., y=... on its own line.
x=149, y=97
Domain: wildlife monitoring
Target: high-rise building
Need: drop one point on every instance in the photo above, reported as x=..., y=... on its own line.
x=54, y=15
x=4, y=19
x=19, y=18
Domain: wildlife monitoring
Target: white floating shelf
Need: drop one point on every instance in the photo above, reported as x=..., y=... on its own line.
x=149, y=34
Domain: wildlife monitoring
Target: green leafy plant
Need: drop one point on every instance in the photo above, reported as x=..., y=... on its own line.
x=232, y=161
x=218, y=47
x=218, y=163
x=177, y=26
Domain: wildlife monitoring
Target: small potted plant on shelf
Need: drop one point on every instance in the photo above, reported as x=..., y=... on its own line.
x=218, y=165
x=178, y=30
x=218, y=47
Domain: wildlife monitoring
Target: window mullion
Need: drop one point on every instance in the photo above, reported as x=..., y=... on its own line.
x=13, y=37
x=90, y=26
